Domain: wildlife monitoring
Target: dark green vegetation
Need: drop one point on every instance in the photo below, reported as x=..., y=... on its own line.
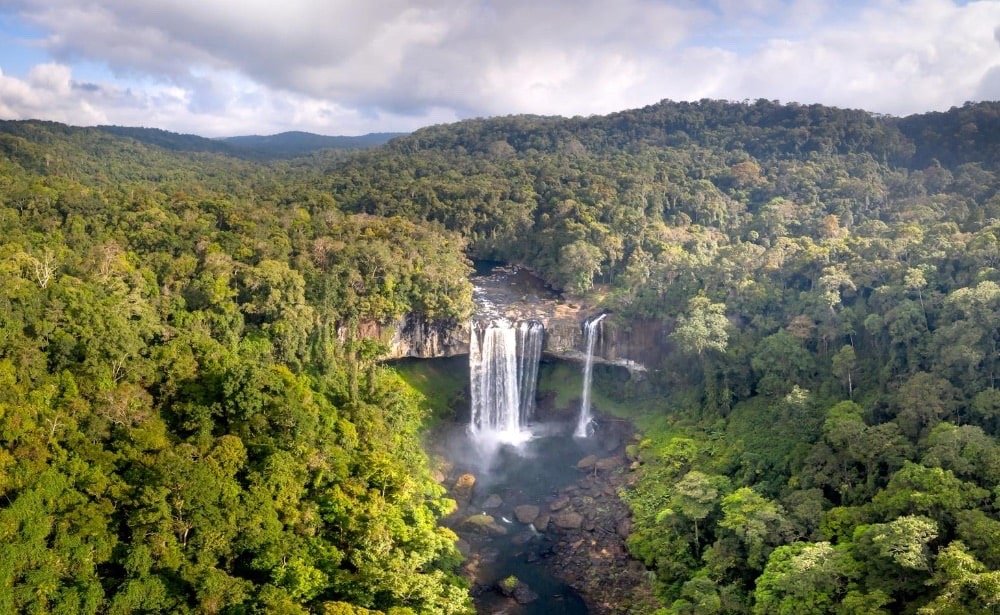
x=182, y=423
x=187, y=421
x=291, y=144
x=253, y=147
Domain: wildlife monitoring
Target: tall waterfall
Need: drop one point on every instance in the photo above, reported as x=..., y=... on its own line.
x=590, y=332
x=529, y=351
x=503, y=372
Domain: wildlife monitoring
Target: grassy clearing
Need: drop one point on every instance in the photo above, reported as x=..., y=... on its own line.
x=442, y=382
x=609, y=394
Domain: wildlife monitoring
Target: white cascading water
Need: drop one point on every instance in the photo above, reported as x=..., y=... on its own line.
x=503, y=370
x=529, y=352
x=590, y=337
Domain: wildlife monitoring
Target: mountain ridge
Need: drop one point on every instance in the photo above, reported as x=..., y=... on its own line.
x=282, y=145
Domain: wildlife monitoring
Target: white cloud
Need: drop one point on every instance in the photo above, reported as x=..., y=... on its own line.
x=47, y=92
x=347, y=66
x=229, y=105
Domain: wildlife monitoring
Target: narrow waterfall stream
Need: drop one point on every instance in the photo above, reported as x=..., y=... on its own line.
x=530, y=335
x=591, y=327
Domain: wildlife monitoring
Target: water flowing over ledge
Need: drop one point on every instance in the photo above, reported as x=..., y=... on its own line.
x=503, y=372
x=591, y=328
x=515, y=294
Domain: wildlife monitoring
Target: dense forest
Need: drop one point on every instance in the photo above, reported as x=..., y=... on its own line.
x=190, y=421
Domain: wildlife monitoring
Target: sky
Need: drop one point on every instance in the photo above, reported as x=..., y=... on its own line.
x=228, y=67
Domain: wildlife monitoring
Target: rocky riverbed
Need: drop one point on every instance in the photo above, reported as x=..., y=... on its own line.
x=542, y=526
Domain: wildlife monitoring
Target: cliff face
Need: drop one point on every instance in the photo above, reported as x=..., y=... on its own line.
x=516, y=294
x=636, y=345
x=417, y=337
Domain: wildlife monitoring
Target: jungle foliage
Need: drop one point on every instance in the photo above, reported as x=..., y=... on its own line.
x=191, y=420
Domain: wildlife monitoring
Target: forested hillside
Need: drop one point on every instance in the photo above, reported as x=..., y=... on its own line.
x=188, y=422
x=182, y=428
x=826, y=436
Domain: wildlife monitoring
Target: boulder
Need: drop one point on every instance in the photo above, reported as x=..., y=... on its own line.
x=624, y=527
x=607, y=463
x=568, y=520
x=484, y=524
x=541, y=522
x=517, y=589
x=522, y=539
x=526, y=513
x=587, y=462
x=494, y=501
x=524, y=594
x=610, y=443
x=559, y=503
x=462, y=491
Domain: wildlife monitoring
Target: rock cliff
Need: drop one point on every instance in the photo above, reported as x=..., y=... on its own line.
x=635, y=345
x=514, y=293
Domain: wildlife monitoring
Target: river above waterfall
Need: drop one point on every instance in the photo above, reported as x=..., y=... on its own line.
x=517, y=294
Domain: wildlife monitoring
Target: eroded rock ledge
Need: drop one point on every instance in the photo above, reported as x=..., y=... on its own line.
x=516, y=294
x=636, y=345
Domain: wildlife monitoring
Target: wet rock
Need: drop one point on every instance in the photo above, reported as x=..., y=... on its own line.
x=494, y=501
x=559, y=503
x=524, y=594
x=568, y=520
x=610, y=443
x=522, y=539
x=607, y=463
x=586, y=463
x=541, y=522
x=462, y=491
x=484, y=524
x=489, y=555
x=517, y=589
x=624, y=527
x=589, y=525
x=463, y=547
x=526, y=513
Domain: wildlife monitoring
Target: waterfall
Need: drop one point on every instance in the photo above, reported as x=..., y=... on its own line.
x=503, y=371
x=529, y=352
x=590, y=328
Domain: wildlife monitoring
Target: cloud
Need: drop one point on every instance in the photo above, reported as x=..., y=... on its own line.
x=341, y=65
x=229, y=105
x=47, y=92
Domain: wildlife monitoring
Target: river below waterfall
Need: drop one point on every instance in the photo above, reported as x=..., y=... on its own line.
x=541, y=472
x=583, y=521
